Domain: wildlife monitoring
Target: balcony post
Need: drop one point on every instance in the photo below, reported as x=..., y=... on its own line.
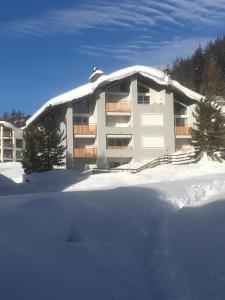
x=69, y=136
x=101, y=129
x=135, y=119
x=2, y=144
x=14, y=145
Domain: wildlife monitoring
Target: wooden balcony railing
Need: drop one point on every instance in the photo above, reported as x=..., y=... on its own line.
x=85, y=152
x=119, y=147
x=85, y=129
x=183, y=130
x=118, y=106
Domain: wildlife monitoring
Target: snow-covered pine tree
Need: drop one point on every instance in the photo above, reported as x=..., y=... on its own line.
x=208, y=134
x=51, y=150
x=30, y=159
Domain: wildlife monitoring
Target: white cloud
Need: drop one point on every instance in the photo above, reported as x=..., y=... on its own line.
x=135, y=15
x=157, y=54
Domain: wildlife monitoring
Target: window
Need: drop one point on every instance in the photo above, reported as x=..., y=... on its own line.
x=143, y=94
x=8, y=154
x=180, y=109
x=81, y=120
x=181, y=121
x=81, y=107
x=143, y=89
x=143, y=99
x=7, y=133
x=122, y=87
x=118, y=142
x=8, y=144
x=19, y=143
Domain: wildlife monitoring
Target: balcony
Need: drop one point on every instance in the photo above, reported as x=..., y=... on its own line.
x=119, y=148
x=184, y=130
x=119, y=107
x=89, y=130
x=85, y=152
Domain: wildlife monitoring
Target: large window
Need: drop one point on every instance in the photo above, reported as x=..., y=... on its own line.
x=143, y=89
x=142, y=99
x=118, y=142
x=8, y=154
x=181, y=121
x=81, y=107
x=7, y=132
x=180, y=109
x=81, y=120
x=143, y=94
x=8, y=143
x=122, y=87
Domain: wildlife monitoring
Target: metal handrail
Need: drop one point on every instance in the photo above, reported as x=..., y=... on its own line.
x=181, y=158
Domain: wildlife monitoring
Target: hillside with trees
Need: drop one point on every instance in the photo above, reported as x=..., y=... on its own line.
x=17, y=118
x=204, y=71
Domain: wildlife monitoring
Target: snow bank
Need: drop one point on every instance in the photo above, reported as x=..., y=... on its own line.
x=137, y=237
x=184, y=185
x=126, y=243
x=89, y=88
x=14, y=181
x=79, y=245
x=12, y=170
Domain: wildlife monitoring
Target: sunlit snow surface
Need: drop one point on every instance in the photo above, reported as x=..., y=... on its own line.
x=158, y=234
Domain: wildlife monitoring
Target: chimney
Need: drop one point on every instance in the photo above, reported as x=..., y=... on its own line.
x=95, y=75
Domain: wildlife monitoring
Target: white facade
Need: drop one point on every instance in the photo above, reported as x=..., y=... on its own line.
x=11, y=142
x=137, y=113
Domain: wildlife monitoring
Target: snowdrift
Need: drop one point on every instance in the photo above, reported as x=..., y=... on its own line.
x=153, y=235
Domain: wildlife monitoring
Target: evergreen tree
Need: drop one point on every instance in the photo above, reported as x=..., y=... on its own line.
x=208, y=133
x=204, y=71
x=212, y=84
x=43, y=148
x=50, y=146
x=5, y=117
x=30, y=155
x=17, y=118
x=198, y=63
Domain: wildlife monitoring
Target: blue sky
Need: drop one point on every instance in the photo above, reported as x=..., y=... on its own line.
x=48, y=47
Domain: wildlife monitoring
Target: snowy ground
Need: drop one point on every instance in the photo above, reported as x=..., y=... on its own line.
x=158, y=234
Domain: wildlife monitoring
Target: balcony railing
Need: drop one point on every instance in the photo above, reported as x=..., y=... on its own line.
x=85, y=129
x=183, y=130
x=85, y=152
x=119, y=147
x=118, y=106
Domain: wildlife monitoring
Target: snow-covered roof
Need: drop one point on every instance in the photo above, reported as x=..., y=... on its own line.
x=96, y=74
x=87, y=89
x=11, y=126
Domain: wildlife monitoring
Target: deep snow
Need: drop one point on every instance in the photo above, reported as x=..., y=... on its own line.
x=153, y=235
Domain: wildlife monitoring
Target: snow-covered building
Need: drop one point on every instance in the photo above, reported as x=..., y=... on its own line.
x=137, y=113
x=11, y=142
